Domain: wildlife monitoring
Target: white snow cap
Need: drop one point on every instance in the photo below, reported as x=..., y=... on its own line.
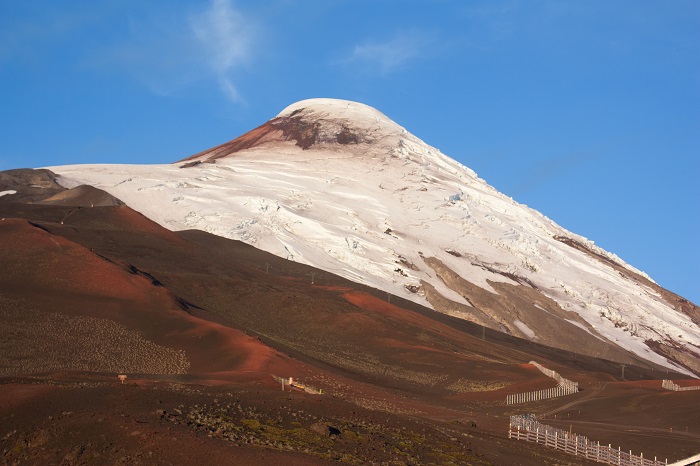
x=337, y=107
x=373, y=209
x=358, y=114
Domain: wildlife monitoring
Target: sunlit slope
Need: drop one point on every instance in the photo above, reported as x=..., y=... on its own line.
x=339, y=186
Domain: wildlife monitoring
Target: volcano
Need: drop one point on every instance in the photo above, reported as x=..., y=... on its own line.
x=339, y=186
x=405, y=298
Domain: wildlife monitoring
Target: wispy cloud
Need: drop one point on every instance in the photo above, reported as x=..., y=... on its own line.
x=226, y=38
x=389, y=55
x=170, y=52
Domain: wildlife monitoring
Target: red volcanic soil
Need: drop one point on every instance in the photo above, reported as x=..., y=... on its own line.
x=108, y=423
x=59, y=271
x=16, y=395
x=40, y=259
x=254, y=137
x=304, y=132
x=205, y=328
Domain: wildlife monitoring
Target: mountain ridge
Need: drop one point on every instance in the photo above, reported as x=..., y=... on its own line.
x=307, y=123
x=338, y=185
x=389, y=340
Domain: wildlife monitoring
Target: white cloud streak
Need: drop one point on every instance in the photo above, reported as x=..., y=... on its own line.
x=226, y=38
x=388, y=56
x=172, y=52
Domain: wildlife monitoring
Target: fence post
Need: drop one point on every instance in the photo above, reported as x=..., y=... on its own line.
x=526, y=428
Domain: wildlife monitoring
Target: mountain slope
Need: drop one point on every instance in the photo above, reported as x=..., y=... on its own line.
x=206, y=327
x=339, y=186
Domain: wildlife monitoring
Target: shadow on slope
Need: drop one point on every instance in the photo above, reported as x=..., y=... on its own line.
x=87, y=284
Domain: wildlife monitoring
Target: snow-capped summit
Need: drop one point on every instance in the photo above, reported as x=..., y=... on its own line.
x=340, y=186
x=313, y=124
x=354, y=113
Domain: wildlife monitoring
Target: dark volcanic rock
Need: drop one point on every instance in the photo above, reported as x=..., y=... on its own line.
x=82, y=196
x=40, y=187
x=30, y=185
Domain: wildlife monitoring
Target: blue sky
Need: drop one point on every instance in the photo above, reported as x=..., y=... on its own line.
x=588, y=111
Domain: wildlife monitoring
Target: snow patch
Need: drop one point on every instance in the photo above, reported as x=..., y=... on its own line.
x=525, y=329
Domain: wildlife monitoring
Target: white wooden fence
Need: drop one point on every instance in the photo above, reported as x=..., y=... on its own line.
x=526, y=427
x=671, y=385
x=555, y=375
x=537, y=395
x=564, y=387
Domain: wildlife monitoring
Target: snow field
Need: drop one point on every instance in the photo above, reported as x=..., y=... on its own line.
x=353, y=210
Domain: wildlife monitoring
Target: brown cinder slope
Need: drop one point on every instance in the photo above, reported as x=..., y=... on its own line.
x=197, y=306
